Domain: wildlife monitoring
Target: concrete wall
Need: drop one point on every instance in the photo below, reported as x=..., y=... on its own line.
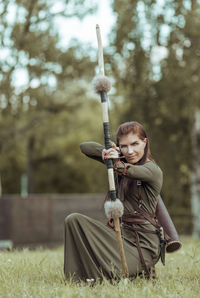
x=40, y=219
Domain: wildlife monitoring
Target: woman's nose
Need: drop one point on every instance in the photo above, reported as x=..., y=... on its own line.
x=130, y=149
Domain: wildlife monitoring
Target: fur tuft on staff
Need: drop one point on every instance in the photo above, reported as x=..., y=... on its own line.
x=101, y=84
x=114, y=209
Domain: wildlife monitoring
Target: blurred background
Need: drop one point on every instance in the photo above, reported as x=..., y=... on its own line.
x=48, y=58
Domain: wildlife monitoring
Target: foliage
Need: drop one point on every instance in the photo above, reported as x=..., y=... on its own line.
x=46, y=108
x=156, y=69
x=39, y=273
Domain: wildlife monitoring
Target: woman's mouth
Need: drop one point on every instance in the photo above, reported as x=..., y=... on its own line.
x=132, y=157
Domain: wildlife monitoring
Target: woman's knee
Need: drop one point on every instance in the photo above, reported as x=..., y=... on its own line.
x=71, y=218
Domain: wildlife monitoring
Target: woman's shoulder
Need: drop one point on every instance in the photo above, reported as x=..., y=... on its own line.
x=153, y=166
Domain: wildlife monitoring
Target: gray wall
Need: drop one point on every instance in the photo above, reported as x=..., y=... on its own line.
x=40, y=219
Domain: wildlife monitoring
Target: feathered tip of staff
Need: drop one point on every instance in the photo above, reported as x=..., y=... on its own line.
x=114, y=209
x=101, y=84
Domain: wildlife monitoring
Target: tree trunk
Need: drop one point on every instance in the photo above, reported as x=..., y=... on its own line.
x=0, y=187
x=195, y=175
x=30, y=165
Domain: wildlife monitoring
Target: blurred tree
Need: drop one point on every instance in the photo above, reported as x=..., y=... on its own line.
x=162, y=93
x=179, y=90
x=44, y=101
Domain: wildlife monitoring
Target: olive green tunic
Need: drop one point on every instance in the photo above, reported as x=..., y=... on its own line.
x=91, y=247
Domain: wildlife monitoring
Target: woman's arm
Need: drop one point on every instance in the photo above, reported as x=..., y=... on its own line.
x=149, y=172
x=92, y=150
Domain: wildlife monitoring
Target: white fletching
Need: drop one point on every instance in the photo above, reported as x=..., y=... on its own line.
x=114, y=209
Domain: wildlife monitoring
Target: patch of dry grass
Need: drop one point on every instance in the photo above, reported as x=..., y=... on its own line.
x=39, y=273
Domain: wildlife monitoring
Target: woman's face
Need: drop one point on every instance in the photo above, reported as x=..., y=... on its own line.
x=132, y=147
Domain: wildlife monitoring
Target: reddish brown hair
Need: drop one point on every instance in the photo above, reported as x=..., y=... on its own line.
x=136, y=128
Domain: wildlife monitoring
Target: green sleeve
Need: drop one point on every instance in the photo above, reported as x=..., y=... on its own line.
x=92, y=150
x=149, y=172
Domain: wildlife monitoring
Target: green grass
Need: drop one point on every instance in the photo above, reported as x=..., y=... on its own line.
x=39, y=273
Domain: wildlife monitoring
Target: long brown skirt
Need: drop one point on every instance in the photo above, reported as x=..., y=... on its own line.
x=91, y=251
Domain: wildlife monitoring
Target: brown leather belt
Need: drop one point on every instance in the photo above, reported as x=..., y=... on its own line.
x=134, y=219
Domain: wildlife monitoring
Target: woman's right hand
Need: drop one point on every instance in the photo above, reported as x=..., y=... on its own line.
x=111, y=153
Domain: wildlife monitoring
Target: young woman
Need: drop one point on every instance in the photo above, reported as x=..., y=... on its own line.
x=91, y=247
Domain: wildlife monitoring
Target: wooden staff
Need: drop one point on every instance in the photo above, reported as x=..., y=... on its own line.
x=114, y=208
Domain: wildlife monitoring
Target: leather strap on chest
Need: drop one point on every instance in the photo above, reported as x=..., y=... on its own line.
x=137, y=207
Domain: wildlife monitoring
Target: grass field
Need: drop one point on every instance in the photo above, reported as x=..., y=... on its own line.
x=39, y=273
